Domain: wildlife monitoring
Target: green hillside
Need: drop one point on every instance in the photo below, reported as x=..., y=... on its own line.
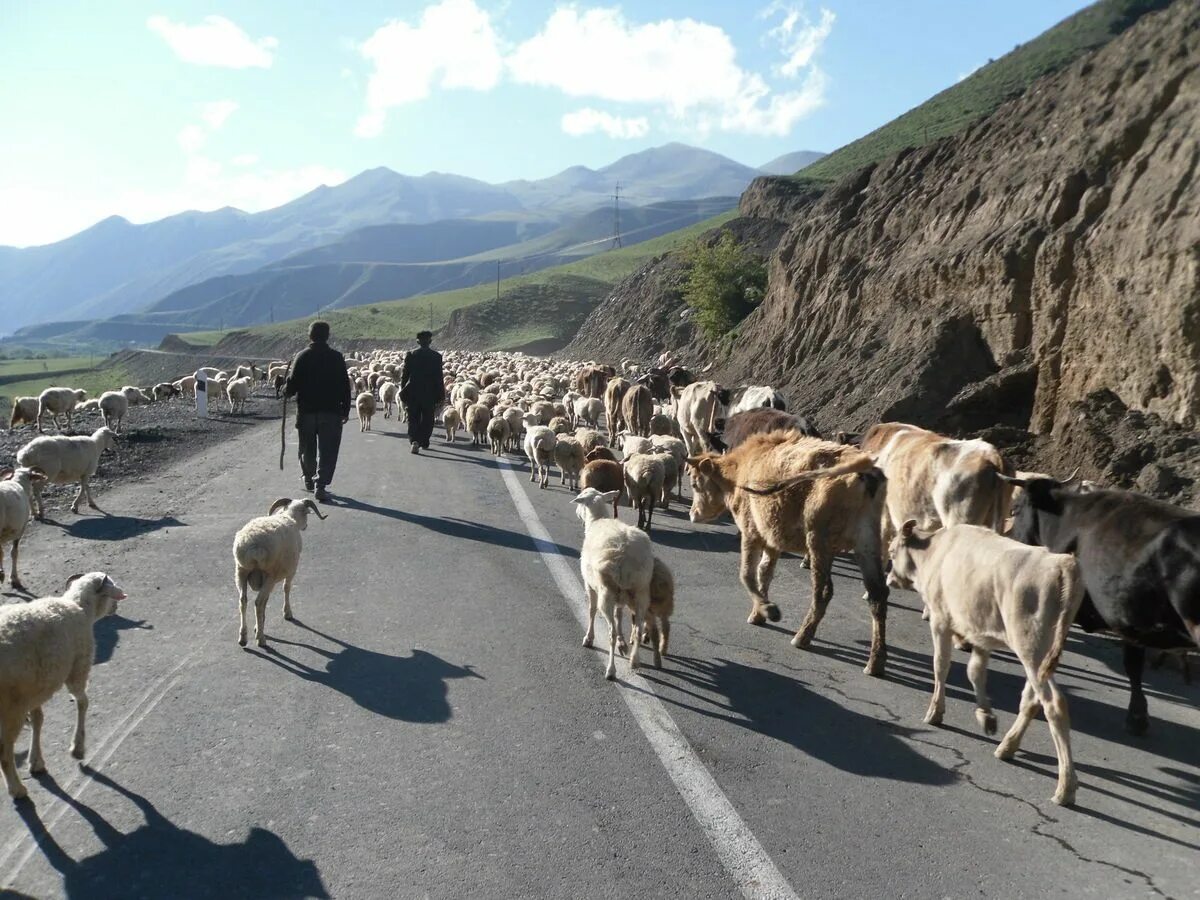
x=400, y=319
x=977, y=95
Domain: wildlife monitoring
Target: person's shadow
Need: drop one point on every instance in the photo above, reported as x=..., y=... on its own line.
x=160, y=859
x=409, y=688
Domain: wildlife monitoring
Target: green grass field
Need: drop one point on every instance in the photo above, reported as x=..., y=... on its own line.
x=400, y=319
x=977, y=95
x=96, y=381
x=10, y=367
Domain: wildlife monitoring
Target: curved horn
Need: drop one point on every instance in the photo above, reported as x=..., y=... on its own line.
x=1071, y=478
x=313, y=506
x=282, y=501
x=1019, y=482
x=6, y=473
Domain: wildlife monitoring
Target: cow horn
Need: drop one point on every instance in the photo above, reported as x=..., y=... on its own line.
x=1071, y=478
x=313, y=506
x=1019, y=482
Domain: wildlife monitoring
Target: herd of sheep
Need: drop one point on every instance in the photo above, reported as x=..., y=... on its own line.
x=787, y=489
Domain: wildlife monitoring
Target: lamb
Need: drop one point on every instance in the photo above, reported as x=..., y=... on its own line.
x=135, y=395
x=497, y=430
x=661, y=424
x=238, y=391
x=365, y=404
x=452, y=420
x=605, y=476
x=589, y=409
x=266, y=550
x=560, y=425
x=113, y=406
x=590, y=439
x=388, y=391
x=516, y=426
x=165, y=390
x=24, y=412
x=58, y=402
x=45, y=644
x=662, y=607
x=16, y=501
x=568, y=453
x=600, y=453
x=66, y=459
x=633, y=445
x=645, y=476
x=617, y=563
x=539, y=447
x=478, y=416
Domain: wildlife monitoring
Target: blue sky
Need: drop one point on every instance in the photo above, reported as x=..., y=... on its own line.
x=145, y=109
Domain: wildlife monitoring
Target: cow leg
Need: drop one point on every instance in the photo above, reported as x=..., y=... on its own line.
x=591, y=629
x=822, y=593
x=942, y=645
x=1059, y=720
x=1137, y=720
x=870, y=563
x=752, y=551
x=766, y=574
x=1029, y=709
x=977, y=673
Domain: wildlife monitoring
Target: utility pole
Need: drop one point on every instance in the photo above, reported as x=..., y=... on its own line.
x=616, y=240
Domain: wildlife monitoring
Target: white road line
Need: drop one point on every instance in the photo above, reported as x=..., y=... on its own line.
x=102, y=752
x=747, y=861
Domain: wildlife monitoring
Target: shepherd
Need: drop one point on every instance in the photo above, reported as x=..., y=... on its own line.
x=422, y=390
x=318, y=381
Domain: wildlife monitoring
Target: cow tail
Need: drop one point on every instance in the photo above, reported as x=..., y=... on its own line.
x=1070, y=596
x=862, y=463
x=1002, y=492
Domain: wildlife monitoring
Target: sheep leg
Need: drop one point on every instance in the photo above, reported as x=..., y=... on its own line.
x=977, y=674
x=37, y=496
x=77, y=687
x=942, y=643
x=287, y=599
x=79, y=496
x=87, y=489
x=10, y=727
x=608, y=609
x=664, y=635
x=641, y=605
x=242, y=579
x=37, y=763
x=822, y=591
x=260, y=614
x=622, y=646
x=591, y=629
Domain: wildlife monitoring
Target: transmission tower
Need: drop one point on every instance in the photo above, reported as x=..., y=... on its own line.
x=616, y=240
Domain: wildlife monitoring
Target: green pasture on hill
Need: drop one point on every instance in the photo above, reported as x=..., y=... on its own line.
x=104, y=377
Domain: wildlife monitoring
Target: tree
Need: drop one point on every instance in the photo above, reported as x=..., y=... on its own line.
x=724, y=284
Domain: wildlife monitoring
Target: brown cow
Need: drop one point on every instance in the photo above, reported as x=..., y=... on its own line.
x=790, y=493
x=740, y=426
x=592, y=380
x=637, y=408
x=613, y=395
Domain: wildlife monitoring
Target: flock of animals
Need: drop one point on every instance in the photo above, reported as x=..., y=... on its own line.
x=1000, y=558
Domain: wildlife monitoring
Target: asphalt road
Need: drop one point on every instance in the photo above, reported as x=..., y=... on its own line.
x=430, y=726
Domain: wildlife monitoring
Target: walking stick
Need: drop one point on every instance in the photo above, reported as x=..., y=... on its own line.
x=283, y=418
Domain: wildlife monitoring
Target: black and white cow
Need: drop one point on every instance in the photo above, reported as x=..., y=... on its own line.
x=1140, y=560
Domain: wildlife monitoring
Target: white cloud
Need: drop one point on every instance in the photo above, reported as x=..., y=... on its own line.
x=452, y=46
x=216, y=112
x=192, y=138
x=689, y=69
x=245, y=159
x=216, y=41
x=588, y=121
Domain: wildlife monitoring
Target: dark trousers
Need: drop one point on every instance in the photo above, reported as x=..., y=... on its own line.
x=320, y=439
x=420, y=423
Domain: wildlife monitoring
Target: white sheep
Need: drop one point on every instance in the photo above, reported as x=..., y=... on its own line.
x=45, y=644
x=266, y=551
x=135, y=395
x=238, y=391
x=497, y=430
x=66, y=459
x=365, y=404
x=617, y=563
x=16, y=503
x=59, y=402
x=632, y=445
x=24, y=412
x=645, y=475
x=113, y=406
x=568, y=453
x=539, y=447
x=453, y=421
x=515, y=416
x=589, y=409
x=477, y=418
x=388, y=392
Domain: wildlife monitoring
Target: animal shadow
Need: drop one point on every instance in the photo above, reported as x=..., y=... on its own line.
x=407, y=688
x=160, y=859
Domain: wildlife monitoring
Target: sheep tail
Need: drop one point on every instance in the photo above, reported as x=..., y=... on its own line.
x=256, y=580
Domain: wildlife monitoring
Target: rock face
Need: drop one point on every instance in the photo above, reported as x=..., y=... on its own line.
x=1062, y=230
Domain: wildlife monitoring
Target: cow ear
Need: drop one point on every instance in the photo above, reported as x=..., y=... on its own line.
x=908, y=528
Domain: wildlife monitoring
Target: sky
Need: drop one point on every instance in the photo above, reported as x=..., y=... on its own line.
x=146, y=109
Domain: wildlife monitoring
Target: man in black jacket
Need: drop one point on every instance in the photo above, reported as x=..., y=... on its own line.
x=422, y=388
x=319, y=382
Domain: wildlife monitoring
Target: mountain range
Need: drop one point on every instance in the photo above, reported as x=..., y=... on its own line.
x=177, y=267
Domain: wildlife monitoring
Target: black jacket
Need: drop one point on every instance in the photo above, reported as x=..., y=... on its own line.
x=421, y=379
x=319, y=382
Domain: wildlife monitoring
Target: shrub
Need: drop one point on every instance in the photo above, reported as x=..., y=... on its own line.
x=724, y=284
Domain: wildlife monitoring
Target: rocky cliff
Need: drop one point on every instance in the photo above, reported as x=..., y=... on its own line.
x=1005, y=275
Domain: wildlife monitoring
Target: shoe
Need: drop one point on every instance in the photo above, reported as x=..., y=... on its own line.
x=308, y=485
x=323, y=495
x=425, y=446
x=415, y=448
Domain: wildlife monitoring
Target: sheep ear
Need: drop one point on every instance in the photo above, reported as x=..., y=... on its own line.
x=278, y=504
x=610, y=496
x=908, y=527
x=74, y=578
x=313, y=506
